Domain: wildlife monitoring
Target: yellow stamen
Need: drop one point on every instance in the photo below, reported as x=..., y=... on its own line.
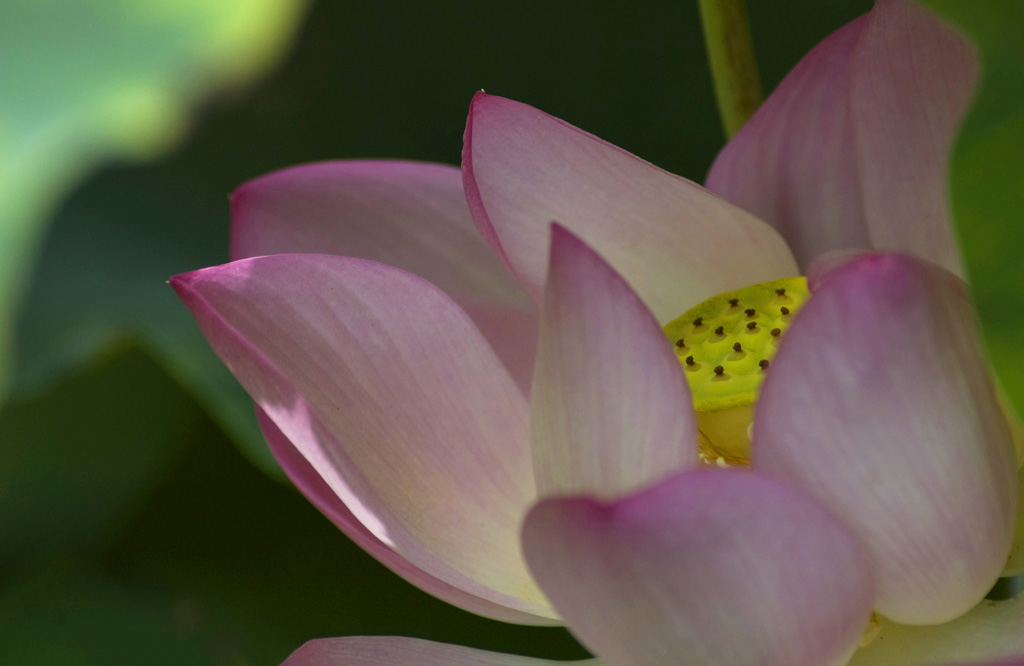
x=725, y=346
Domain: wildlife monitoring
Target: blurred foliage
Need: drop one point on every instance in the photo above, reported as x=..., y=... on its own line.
x=76, y=461
x=85, y=81
x=988, y=181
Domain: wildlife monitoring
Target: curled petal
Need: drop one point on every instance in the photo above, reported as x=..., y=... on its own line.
x=672, y=241
x=391, y=394
x=395, y=651
x=410, y=215
x=990, y=633
x=851, y=150
x=879, y=403
x=610, y=410
x=710, y=567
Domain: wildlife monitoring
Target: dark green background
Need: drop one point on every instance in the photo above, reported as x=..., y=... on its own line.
x=134, y=530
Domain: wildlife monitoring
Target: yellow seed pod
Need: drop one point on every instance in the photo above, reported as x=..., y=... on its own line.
x=726, y=345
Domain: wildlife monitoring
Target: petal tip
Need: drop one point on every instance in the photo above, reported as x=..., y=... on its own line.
x=472, y=189
x=182, y=284
x=564, y=241
x=567, y=511
x=188, y=287
x=888, y=279
x=479, y=96
x=479, y=100
x=482, y=100
x=881, y=263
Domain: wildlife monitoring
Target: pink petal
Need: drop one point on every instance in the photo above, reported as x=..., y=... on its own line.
x=674, y=243
x=879, y=402
x=406, y=214
x=391, y=394
x=610, y=410
x=990, y=633
x=710, y=567
x=852, y=148
x=313, y=486
x=395, y=651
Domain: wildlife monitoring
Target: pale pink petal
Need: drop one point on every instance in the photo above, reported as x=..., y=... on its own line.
x=879, y=402
x=320, y=494
x=391, y=394
x=709, y=567
x=395, y=651
x=990, y=633
x=410, y=215
x=674, y=243
x=406, y=214
x=852, y=149
x=610, y=410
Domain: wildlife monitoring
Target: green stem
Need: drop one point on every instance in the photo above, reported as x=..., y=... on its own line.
x=733, y=65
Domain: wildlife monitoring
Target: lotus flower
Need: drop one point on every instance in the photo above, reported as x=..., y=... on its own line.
x=501, y=409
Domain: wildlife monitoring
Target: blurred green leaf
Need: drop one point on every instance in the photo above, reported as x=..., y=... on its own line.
x=76, y=461
x=988, y=181
x=61, y=615
x=86, y=81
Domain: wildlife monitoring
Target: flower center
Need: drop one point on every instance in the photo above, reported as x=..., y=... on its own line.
x=726, y=345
